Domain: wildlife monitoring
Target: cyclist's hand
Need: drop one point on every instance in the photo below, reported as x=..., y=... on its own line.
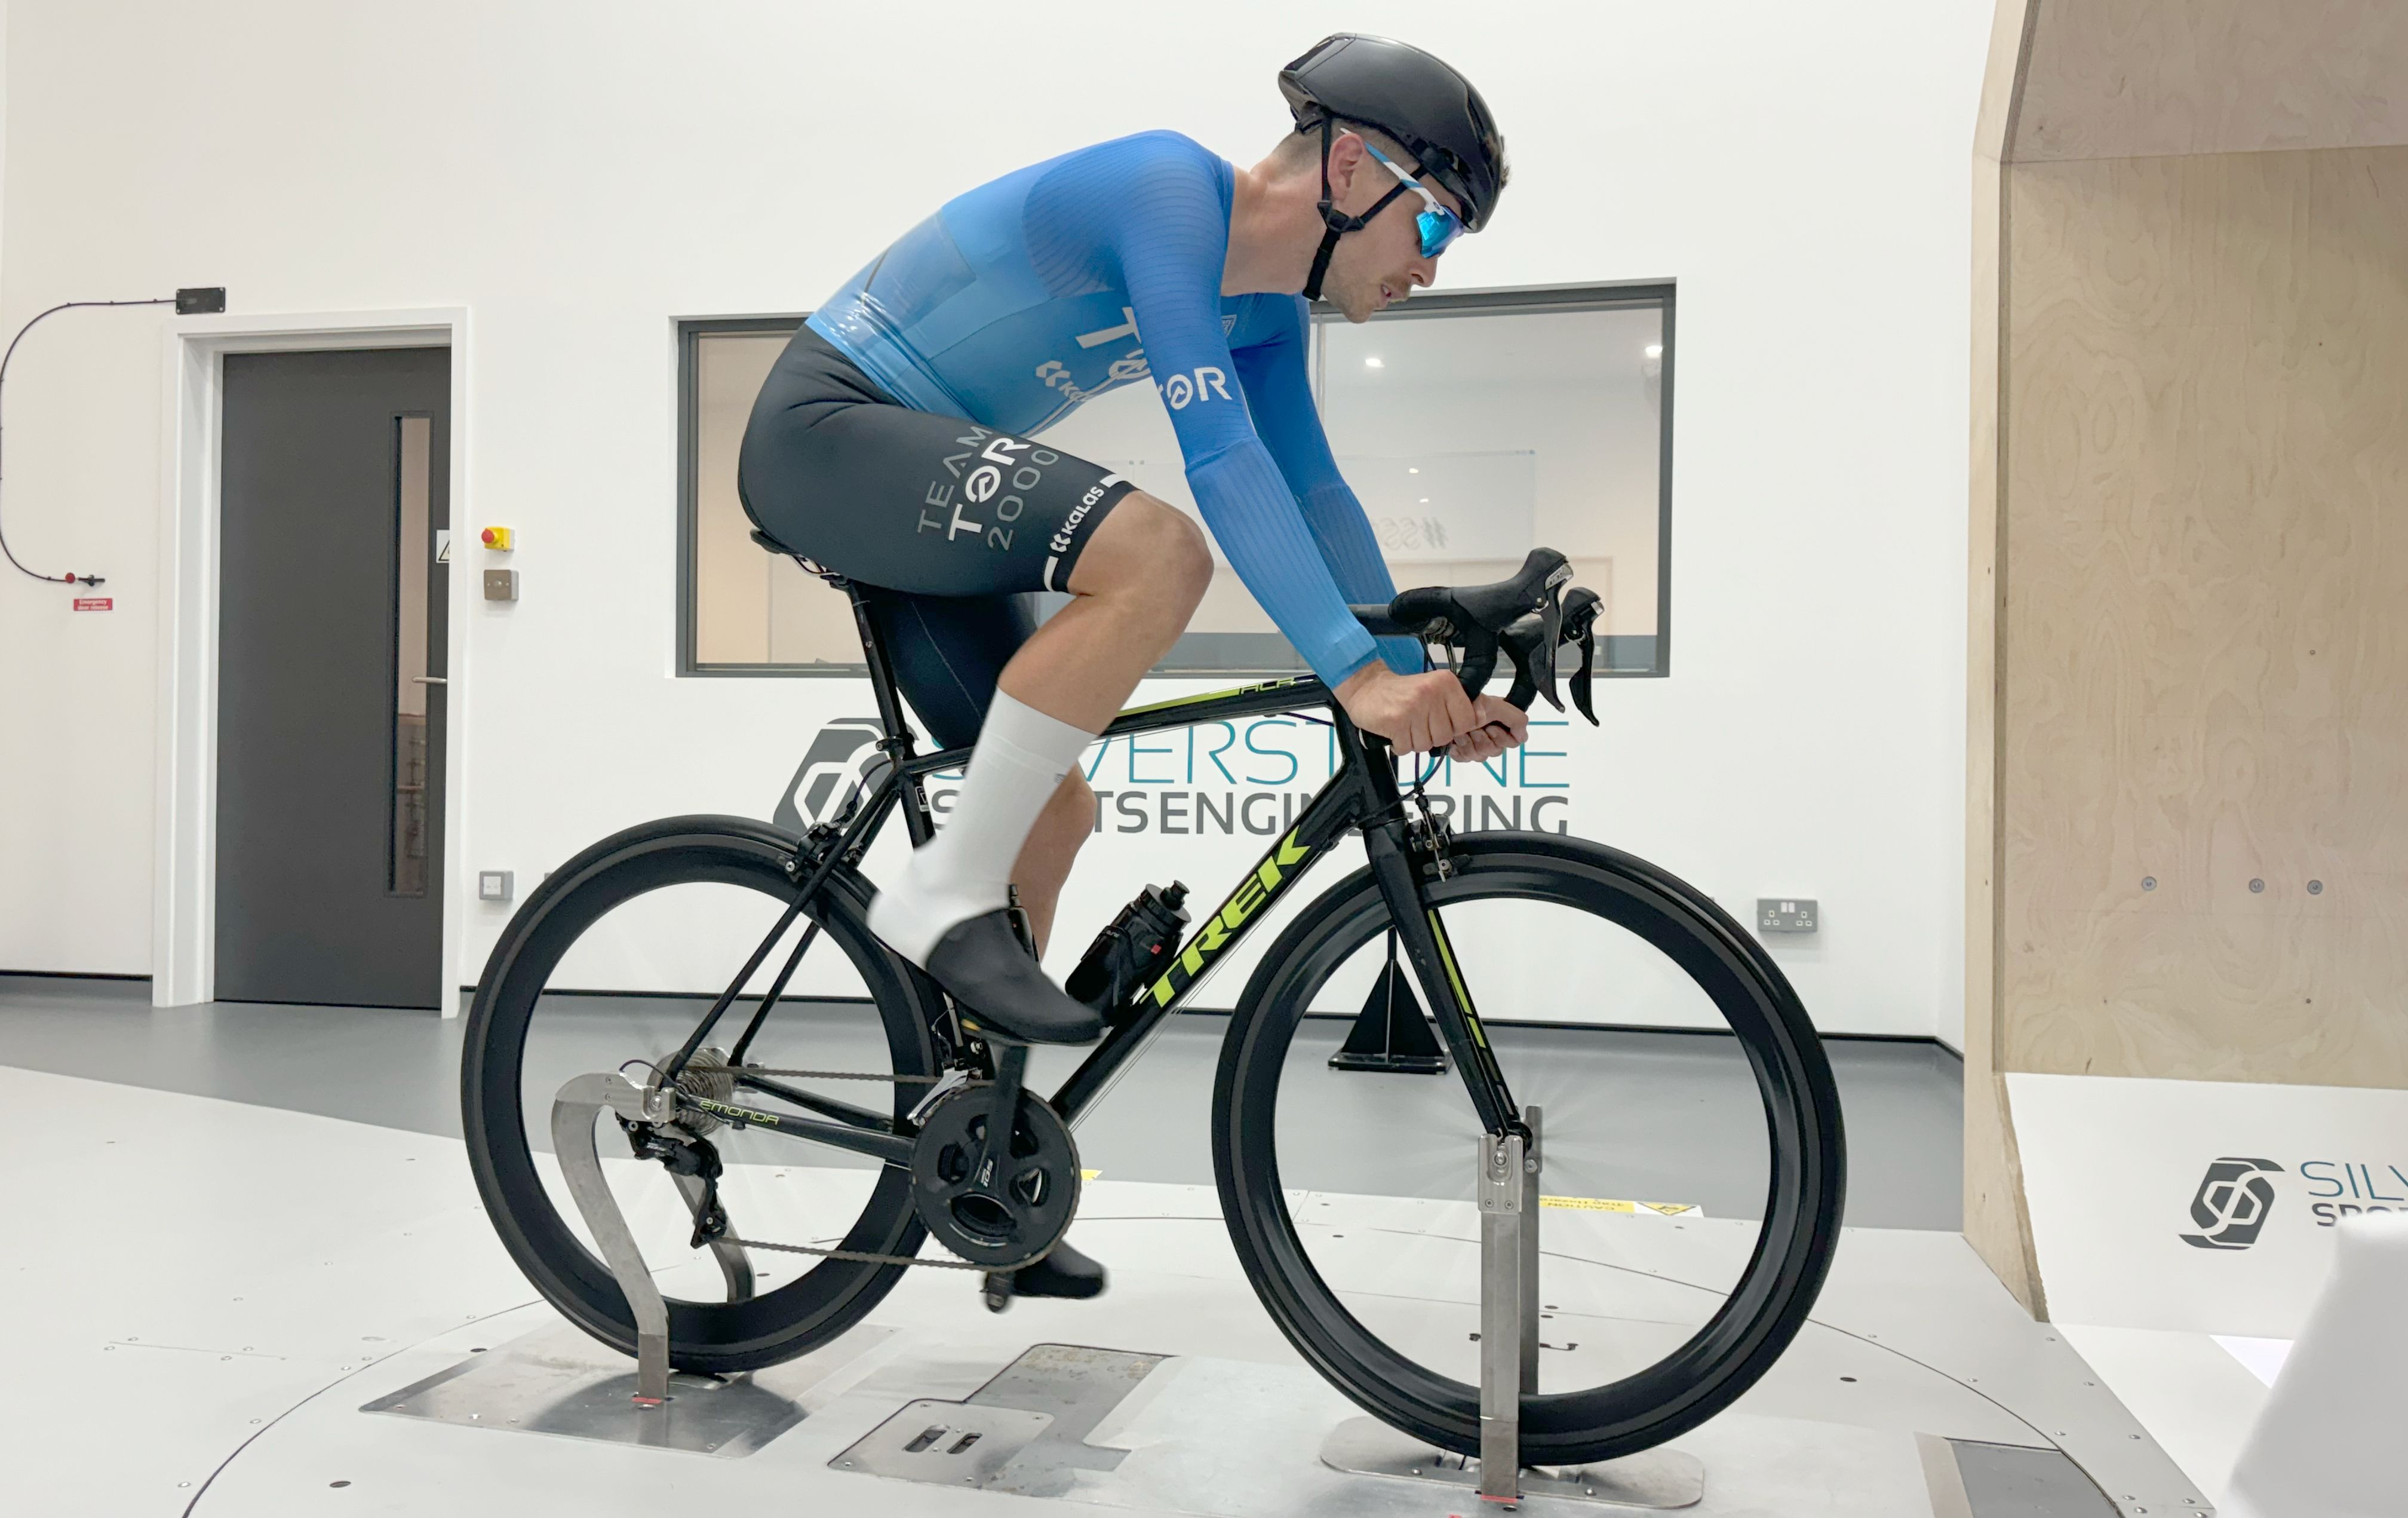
x=1502, y=726
x=1414, y=712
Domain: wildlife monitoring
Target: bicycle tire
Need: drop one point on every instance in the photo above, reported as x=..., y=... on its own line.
x=719, y=1337
x=1768, y=1305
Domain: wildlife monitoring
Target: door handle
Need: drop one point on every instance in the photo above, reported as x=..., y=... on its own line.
x=428, y=680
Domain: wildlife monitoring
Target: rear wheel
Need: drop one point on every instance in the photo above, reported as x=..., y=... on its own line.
x=1691, y=1142
x=608, y=966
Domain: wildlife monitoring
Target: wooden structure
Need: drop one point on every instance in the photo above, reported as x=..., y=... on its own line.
x=2187, y=805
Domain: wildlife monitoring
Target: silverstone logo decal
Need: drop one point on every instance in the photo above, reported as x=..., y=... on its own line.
x=839, y=763
x=2232, y=1203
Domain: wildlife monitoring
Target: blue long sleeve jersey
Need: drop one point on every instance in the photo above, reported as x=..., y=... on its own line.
x=1023, y=299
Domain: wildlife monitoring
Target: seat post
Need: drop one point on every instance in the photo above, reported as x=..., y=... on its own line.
x=898, y=742
x=896, y=745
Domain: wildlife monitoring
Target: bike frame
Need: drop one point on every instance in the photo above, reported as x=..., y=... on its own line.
x=1360, y=795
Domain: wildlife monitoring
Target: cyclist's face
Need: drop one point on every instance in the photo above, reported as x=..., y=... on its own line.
x=1382, y=264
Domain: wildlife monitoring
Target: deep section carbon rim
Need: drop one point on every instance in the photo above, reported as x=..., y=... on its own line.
x=611, y=963
x=1362, y=1243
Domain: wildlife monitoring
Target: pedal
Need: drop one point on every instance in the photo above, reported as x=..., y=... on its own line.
x=995, y=1290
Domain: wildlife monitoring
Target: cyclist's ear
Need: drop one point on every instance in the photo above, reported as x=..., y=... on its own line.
x=1348, y=156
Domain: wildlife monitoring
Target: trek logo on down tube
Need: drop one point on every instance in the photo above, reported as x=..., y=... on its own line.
x=1277, y=868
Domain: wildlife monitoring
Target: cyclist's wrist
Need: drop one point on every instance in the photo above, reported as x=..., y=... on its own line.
x=1351, y=686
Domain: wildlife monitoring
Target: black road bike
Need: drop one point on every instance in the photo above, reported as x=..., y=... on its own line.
x=1343, y=1133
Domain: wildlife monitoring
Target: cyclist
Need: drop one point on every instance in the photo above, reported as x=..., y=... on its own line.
x=894, y=443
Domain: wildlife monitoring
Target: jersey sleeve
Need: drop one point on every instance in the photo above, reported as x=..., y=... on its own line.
x=1170, y=232
x=1280, y=396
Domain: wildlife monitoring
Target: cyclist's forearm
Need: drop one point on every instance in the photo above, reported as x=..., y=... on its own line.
x=1256, y=523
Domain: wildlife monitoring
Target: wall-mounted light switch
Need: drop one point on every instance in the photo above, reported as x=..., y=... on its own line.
x=1787, y=914
x=501, y=585
x=493, y=884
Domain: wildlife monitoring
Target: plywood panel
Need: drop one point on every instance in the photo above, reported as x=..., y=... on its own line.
x=2111, y=79
x=1997, y=1223
x=2206, y=611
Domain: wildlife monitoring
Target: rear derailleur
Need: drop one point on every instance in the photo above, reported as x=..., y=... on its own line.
x=684, y=1154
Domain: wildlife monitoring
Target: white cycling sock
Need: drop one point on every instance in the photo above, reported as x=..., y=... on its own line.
x=1020, y=758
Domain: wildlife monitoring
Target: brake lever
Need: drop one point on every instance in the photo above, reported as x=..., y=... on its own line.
x=1524, y=640
x=1479, y=661
x=1580, y=625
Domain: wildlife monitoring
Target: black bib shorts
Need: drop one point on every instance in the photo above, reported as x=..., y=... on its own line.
x=958, y=526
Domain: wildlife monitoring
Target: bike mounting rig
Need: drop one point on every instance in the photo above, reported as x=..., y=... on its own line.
x=1000, y=1195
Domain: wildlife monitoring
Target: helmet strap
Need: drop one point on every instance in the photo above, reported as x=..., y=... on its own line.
x=1337, y=223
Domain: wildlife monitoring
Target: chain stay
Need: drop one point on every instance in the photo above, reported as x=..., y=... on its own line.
x=818, y=1075
x=856, y=1256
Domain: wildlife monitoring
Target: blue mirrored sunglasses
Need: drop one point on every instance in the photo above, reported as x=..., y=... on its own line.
x=1439, y=226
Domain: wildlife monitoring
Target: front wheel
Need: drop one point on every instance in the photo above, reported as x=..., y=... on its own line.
x=1691, y=1142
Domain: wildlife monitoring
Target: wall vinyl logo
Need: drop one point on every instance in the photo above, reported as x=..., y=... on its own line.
x=2232, y=1203
x=834, y=770
x=1227, y=778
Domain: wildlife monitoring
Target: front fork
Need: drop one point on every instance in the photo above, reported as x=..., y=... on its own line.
x=1400, y=850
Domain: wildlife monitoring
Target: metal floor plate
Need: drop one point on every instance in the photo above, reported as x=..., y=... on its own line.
x=1221, y=1438
x=1024, y=1432
x=1660, y=1478
x=559, y=1380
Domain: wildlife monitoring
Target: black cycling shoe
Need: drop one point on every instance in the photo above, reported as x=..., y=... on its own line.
x=1064, y=1273
x=982, y=962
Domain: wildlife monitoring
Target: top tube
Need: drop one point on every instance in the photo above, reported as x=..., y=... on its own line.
x=1268, y=698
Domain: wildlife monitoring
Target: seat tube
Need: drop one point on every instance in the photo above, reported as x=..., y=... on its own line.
x=897, y=743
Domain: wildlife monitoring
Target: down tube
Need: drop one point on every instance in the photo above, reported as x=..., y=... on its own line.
x=1281, y=865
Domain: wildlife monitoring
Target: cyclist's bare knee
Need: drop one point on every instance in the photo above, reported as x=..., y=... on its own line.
x=1149, y=549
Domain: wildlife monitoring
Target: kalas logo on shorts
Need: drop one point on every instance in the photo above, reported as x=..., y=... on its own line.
x=2232, y=1203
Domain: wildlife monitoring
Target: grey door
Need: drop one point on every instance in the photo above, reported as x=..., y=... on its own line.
x=330, y=653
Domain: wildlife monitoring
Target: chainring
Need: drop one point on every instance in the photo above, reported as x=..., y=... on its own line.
x=1012, y=1217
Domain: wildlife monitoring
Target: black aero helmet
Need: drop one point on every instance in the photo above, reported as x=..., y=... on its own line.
x=1430, y=108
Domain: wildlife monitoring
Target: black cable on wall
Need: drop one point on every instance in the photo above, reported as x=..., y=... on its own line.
x=189, y=302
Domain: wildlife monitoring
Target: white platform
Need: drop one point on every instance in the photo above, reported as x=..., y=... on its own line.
x=231, y=1283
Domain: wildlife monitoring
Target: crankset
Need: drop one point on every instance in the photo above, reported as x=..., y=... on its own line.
x=1001, y=1205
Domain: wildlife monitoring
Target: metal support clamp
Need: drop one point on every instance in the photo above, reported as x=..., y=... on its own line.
x=573, y=1114
x=1508, y=1190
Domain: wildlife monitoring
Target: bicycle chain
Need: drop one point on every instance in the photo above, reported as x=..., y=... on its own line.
x=861, y=1256
x=818, y=1075
x=856, y=1256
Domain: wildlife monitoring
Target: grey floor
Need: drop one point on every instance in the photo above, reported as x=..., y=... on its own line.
x=1675, y=1110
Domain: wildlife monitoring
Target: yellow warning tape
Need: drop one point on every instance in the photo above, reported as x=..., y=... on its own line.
x=1600, y=1203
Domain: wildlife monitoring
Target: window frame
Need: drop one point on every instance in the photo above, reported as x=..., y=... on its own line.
x=1435, y=305
x=690, y=332
x=1536, y=300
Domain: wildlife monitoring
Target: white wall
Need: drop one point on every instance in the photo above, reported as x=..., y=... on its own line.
x=578, y=175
